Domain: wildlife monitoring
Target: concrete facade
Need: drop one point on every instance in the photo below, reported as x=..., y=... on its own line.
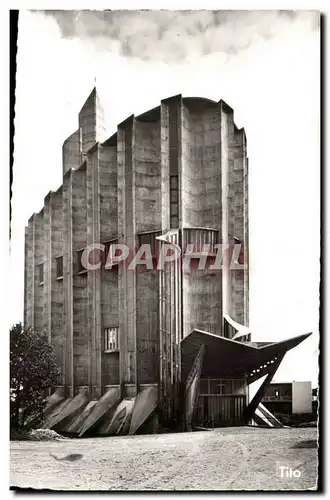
x=181, y=166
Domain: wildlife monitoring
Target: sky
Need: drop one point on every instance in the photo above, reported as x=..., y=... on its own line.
x=264, y=64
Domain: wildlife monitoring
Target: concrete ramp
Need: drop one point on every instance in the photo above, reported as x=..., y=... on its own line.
x=102, y=406
x=78, y=422
x=75, y=406
x=119, y=421
x=145, y=403
x=265, y=417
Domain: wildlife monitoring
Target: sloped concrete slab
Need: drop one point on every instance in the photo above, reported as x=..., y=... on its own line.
x=75, y=405
x=54, y=400
x=145, y=404
x=54, y=414
x=103, y=405
x=119, y=418
x=79, y=420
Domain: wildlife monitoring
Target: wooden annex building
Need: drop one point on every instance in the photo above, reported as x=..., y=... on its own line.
x=151, y=348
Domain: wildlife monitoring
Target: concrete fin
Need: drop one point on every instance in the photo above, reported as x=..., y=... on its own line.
x=55, y=413
x=103, y=405
x=53, y=401
x=119, y=417
x=145, y=403
x=70, y=410
x=77, y=423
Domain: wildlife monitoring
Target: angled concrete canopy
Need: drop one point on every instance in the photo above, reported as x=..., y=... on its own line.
x=229, y=358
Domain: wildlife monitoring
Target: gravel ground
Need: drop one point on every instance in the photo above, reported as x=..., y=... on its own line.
x=236, y=458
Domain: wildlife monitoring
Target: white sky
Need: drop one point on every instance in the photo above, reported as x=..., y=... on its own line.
x=273, y=86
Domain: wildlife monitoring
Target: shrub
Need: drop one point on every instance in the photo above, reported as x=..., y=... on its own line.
x=33, y=370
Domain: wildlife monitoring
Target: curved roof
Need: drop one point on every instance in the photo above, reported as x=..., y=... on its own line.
x=195, y=104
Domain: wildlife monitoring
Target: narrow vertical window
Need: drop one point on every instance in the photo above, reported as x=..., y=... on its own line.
x=174, y=201
x=41, y=273
x=59, y=267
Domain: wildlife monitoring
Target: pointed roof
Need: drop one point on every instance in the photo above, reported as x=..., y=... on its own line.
x=90, y=99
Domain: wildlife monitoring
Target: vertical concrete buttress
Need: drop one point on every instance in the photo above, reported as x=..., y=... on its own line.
x=68, y=270
x=47, y=302
x=94, y=276
x=127, y=235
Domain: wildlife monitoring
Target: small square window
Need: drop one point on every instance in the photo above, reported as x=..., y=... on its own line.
x=59, y=267
x=111, y=338
x=41, y=273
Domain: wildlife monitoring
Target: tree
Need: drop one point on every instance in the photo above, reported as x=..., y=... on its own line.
x=33, y=370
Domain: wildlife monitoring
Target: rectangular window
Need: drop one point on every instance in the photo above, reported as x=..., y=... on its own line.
x=80, y=267
x=111, y=338
x=59, y=267
x=41, y=273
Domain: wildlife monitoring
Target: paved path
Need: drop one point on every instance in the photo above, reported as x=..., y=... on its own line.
x=241, y=458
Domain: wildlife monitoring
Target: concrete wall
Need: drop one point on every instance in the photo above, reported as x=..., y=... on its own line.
x=72, y=151
x=108, y=192
x=147, y=304
x=201, y=178
x=147, y=176
x=201, y=301
x=301, y=397
x=201, y=175
x=237, y=221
